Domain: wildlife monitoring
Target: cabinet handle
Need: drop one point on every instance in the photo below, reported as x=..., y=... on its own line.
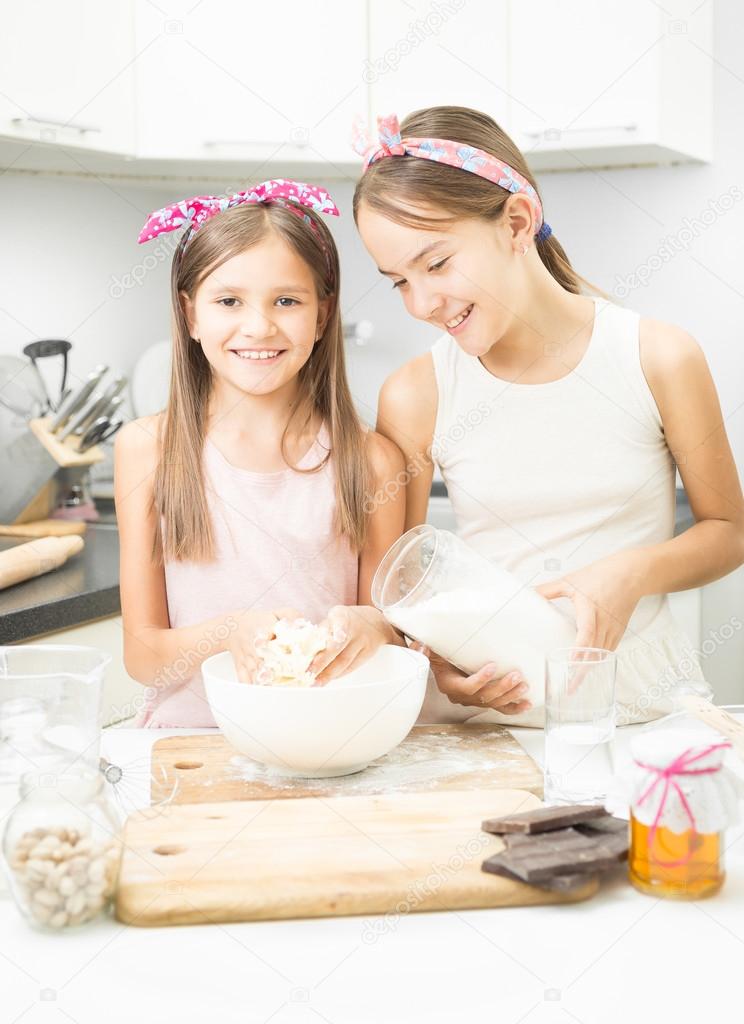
x=82, y=128
x=536, y=133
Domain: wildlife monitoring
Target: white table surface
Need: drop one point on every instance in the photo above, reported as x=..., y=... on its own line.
x=620, y=957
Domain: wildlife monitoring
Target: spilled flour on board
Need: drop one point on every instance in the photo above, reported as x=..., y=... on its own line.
x=419, y=763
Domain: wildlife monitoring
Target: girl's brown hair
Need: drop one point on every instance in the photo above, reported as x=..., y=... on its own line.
x=413, y=181
x=179, y=498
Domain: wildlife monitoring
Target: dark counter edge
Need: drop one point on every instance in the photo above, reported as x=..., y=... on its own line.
x=66, y=613
x=683, y=517
x=84, y=589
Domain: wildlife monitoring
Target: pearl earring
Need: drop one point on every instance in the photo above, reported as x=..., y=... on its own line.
x=524, y=250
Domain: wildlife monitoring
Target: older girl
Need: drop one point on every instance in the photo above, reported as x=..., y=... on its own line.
x=569, y=481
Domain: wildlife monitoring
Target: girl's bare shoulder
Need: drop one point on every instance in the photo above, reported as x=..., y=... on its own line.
x=414, y=379
x=385, y=457
x=408, y=401
x=139, y=440
x=664, y=345
x=669, y=354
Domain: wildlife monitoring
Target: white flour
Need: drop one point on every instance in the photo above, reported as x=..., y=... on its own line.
x=418, y=763
x=513, y=627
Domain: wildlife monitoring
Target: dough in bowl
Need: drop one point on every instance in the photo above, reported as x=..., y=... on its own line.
x=285, y=658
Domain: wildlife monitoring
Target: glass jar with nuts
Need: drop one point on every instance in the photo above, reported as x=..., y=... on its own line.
x=62, y=849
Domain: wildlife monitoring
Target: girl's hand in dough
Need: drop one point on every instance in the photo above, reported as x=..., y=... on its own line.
x=253, y=625
x=356, y=632
x=484, y=689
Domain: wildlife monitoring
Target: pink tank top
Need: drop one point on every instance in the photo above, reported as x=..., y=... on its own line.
x=275, y=546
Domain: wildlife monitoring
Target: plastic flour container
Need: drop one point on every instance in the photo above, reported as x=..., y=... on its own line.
x=437, y=590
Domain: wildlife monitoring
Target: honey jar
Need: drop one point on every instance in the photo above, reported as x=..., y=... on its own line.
x=682, y=799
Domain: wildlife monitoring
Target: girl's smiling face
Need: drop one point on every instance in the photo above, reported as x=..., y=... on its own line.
x=462, y=278
x=257, y=317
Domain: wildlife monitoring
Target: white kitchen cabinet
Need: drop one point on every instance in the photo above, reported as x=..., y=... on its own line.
x=454, y=52
x=611, y=83
x=225, y=81
x=66, y=75
x=221, y=91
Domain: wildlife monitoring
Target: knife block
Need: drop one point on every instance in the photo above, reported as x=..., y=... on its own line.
x=66, y=457
x=64, y=452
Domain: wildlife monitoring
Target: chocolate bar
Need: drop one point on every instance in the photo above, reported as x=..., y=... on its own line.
x=544, y=819
x=560, y=838
x=539, y=864
x=608, y=824
x=497, y=865
x=555, y=848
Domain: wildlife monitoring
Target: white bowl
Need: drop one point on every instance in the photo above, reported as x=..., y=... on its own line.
x=320, y=731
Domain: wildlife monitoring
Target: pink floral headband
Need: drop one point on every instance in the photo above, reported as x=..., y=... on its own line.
x=192, y=213
x=443, y=151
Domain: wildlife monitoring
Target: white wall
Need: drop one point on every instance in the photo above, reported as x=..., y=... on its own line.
x=65, y=243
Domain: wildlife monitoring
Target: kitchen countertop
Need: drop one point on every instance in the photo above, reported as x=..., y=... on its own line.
x=87, y=586
x=618, y=957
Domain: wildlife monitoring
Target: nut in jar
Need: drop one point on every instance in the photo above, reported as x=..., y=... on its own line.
x=62, y=850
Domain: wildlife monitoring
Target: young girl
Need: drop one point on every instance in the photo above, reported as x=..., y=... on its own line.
x=246, y=500
x=568, y=477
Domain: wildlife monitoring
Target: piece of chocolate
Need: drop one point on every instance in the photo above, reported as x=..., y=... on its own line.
x=558, y=883
x=614, y=843
x=556, y=848
x=608, y=824
x=544, y=819
x=536, y=865
x=559, y=838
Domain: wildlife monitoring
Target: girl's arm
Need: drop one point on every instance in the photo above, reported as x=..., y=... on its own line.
x=407, y=415
x=683, y=388
x=362, y=628
x=606, y=592
x=153, y=652
x=387, y=515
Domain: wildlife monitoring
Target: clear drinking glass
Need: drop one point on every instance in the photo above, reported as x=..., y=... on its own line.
x=579, y=724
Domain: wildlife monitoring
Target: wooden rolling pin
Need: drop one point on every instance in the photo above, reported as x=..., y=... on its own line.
x=44, y=528
x=37, y=557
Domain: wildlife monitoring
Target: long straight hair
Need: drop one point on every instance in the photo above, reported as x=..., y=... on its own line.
x=179, y=498
x=391, y=186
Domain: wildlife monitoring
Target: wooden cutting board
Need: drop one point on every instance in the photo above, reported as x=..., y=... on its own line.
x=201, y=769
x=316, y=857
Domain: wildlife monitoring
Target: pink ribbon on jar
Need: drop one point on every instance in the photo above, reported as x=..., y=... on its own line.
x=679, y=766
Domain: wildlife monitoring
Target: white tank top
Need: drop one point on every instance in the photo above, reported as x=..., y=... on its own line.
x=546, y=478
